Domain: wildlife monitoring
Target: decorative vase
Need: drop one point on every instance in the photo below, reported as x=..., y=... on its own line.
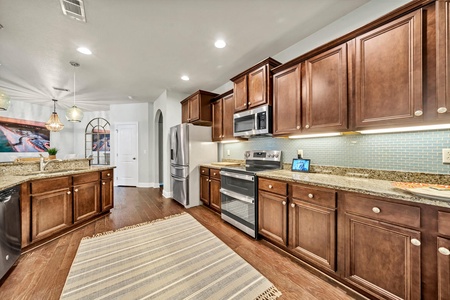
x=52, y=156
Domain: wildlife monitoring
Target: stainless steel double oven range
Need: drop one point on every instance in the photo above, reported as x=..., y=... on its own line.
x=239, y=189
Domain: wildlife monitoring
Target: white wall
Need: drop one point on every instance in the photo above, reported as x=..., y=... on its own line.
x=139, y=112
x=169, y=105
x=62, y=140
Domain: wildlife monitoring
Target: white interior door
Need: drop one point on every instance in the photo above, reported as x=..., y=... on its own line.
x=126, y=155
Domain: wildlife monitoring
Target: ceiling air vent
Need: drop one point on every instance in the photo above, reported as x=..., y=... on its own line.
x=60, y=89
x=74, y=9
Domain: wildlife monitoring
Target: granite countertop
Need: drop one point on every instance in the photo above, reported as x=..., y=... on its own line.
x=368, y=186
x=9, y=180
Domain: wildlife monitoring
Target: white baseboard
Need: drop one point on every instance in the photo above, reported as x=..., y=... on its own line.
x=167, y=194
x=148, y=185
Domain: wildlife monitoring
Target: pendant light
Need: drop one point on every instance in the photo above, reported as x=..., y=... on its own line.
x=4, y=101
x=54, y=124
x=74, y=114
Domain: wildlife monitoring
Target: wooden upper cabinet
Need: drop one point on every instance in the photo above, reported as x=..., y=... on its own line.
x=222, y=113
x=257, y=87
x=442, y=107
x=240, y=93
x=388, y=74
x=227, y=117
x=196, y=108
x=324, y=91
x=253, y=87
x=287, y=102
x=217, y=127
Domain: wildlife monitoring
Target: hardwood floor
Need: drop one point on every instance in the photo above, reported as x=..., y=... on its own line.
x=41, y=273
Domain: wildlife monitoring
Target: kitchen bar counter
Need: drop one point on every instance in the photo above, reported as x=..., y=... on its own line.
x=375, y=187
x=10, y=180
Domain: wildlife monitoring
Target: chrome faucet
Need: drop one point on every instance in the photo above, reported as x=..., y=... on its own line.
x=43, y=164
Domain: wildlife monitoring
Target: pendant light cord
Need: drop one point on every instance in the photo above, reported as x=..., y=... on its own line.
x=74, y=90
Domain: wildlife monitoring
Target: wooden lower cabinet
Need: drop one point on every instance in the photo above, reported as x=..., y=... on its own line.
x=381, y=258
x=86, y=201
x=107, y=190
x=312, y=233
x=46, y=222
x=210, y=188
x=272, y=221
x=443, y=271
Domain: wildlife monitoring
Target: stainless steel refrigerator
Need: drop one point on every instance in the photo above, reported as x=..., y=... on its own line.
x=189, y=146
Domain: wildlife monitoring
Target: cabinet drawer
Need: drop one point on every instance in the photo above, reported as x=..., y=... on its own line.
x=277, y=187
x=214, y=173
x=107, y=174
x=444, y=223
x=51, y=184
x=204, y=171
x=86, y=177
x=319, y=196
x=383, y=210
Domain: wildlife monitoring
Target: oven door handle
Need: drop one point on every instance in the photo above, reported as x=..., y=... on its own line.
x=238, y=176
x=237, y=196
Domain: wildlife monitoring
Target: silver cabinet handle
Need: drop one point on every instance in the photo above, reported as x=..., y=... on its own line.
x=108, y=174
x=307, y=126
x=442, y=110
x=376, y=210
x=292, y=205
x=284, y=202
x=214, y=174
x=310, y=196
x=76, y=190
x=248, y=103
x=415, y=242
x=298, y=127
x=68, y=192
x=444, y=251
x=270, y=186
x=418, y=113
x=103, y=183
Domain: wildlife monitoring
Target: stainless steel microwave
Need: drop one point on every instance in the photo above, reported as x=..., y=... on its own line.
x=256, y=121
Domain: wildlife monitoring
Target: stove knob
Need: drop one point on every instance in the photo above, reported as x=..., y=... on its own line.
x=276, y=155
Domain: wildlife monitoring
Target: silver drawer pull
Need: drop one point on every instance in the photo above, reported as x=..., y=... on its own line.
x=418, y=113
x=292, y=205
x=376, y=210
x=444, y=251
x=415, y=242
x=284, y=202
x=270, y=186
x=76, y=190
x=108, y=174
x=103, y=183
x=68, y=192
x=442, y=110
x=310, y=196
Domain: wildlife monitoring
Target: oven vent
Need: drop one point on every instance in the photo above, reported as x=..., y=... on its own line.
x=74, y=9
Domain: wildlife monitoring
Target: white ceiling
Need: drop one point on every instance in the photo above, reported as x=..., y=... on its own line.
x=142, y=47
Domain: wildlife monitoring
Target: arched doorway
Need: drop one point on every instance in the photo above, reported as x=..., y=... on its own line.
x=159, y=148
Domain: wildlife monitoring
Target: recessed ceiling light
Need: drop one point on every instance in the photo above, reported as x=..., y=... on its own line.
x=220, y=44
x=130, y=97
x=84, y=50
x=185, y=77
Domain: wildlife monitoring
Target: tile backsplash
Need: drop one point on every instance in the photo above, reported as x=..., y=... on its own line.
x=419, y=151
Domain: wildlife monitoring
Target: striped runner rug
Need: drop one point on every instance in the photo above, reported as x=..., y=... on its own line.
x=172, y=258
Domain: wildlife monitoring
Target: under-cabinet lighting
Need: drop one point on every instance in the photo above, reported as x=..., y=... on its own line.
x=406, y=129
x=229, y=141
x=307, y=136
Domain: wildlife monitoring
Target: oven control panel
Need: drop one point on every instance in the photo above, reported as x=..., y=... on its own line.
x=272, y=155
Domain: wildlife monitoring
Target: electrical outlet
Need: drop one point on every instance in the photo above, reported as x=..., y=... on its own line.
x=300, y=153
x=446, y=156
x=228, y=152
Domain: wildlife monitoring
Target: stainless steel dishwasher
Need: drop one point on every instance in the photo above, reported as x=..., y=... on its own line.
x=10, y=232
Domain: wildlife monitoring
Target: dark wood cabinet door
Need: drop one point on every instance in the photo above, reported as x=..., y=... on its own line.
x=107, y=194
x=257, y=87
x=227, y=117
x=324, y=87
x=272, y=217
x=204, y=189
x=50, y=213
x=286, y=102
x=442, y=59
x=86, y=201
x=194, y=108
x=312, y=233
x=240, y=94
x=217, y=123
x=443, y=264
x=185, y=111
x=381, y=259
x=388, y=74
x=215, y=195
